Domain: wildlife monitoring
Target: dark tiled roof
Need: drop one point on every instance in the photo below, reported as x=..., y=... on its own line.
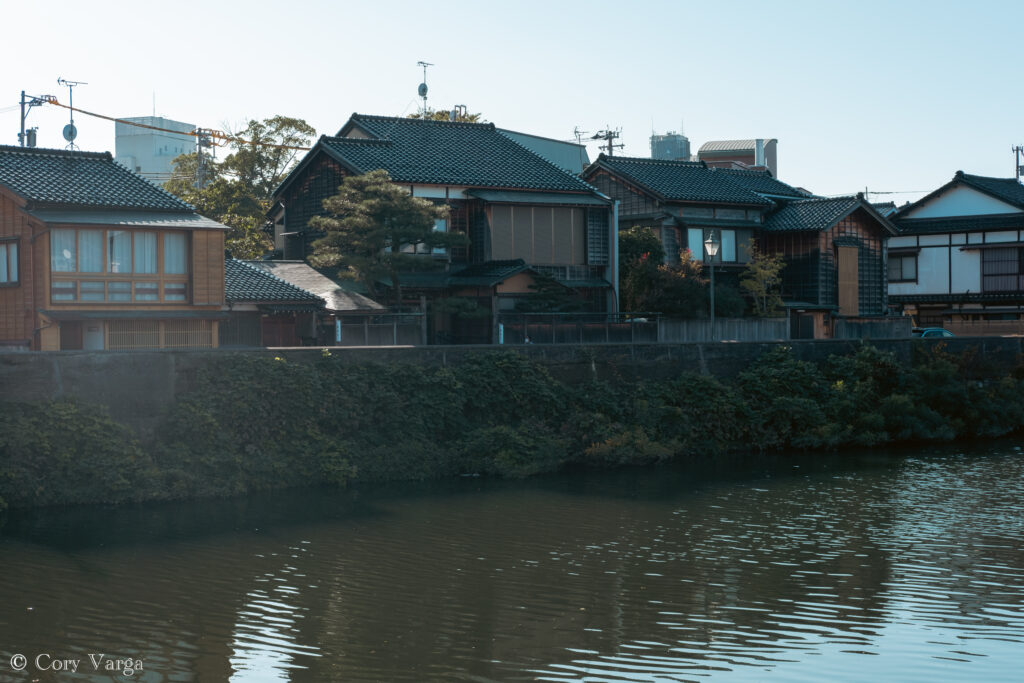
x=694, y=181
x=762, y=182
x=924, y=226
x=247, y=283
x=445, y=153
x=811, y=214
x=52, y=178
x=489, y=273
x=1006, y=189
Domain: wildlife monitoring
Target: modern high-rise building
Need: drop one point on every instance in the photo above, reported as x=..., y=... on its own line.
x=150, y=152
x=671, y=146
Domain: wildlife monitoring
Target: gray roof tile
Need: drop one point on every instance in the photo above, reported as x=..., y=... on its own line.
x=54, y=178
x=446, y=153
x=811, y=214
x=694, y=181
x=246, y=283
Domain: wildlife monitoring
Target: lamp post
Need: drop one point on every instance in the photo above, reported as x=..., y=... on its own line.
x=711, y=247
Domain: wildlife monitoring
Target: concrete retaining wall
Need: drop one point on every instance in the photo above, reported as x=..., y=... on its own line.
x=139, y=386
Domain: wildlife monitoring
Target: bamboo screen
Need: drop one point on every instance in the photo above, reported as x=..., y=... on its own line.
x=125, y=335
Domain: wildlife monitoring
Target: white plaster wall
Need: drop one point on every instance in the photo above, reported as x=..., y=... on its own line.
x=902, y=241
x=1002, y=236
x=966, y=270
x=961, y=201
x=932, y=271
x=934, y=240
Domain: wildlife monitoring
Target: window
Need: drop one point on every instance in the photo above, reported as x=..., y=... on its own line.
x=903, y=268
x=119, y=266
x=1001, y=269
x=8, y=263
x=174, y=253
x=695, y=240
x=440, y=225
x=728, y=246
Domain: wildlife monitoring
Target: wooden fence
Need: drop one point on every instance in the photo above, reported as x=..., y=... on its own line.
x=726, y=329
x=986, y=328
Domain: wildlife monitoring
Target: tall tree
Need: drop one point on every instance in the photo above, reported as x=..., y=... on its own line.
x=762, y=281
x=238, y=192
x=376, y=230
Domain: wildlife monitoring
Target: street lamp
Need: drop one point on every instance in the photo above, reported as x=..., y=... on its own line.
x=711, y=247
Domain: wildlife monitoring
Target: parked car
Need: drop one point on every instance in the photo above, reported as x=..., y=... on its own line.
x=931, y=332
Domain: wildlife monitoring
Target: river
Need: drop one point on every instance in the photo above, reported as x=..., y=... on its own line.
x=903, y=566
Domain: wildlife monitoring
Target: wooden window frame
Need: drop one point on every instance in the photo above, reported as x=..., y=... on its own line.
x=7, y=242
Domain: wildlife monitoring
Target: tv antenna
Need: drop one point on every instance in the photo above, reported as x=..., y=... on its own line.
x=70, y=132
x=1017, y=151
x=609, y=136
x=423, y=85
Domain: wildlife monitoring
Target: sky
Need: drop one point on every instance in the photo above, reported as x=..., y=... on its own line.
x=893, y=97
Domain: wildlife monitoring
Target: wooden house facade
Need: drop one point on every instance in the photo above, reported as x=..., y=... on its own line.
x=95, y=257
x=511, y=203
x=834, y=249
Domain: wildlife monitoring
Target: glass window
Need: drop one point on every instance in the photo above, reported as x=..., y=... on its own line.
x=174, y=291
x=728, y=246
x=63, y=290
x=119, y=291
x=145, y=252
x=8, y=262
x=440, y=225
x=92, y=290
x=146, y=291
x=90, y=256
x=120, y=251
x=174, y=253
x=695, y=240
x=62, y=250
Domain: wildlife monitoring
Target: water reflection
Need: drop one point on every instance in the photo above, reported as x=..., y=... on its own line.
x=839, y=568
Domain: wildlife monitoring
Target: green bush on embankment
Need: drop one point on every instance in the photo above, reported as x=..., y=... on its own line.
x=253, y=422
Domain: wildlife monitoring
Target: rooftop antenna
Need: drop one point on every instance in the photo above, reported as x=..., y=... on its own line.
x=609, y=136
x=423, y=86
x=1017, y=151
x=70, y=132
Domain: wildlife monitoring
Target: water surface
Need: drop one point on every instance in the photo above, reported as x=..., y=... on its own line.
x=851, y=567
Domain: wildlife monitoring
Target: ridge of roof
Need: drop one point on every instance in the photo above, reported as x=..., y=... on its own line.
x=56, y=178
x=441, y=153
x=246, y=282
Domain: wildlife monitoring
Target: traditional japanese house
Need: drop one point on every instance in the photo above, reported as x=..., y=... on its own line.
x=512, y=203
x=958, y=261
x=93, y=256
x=834, y=249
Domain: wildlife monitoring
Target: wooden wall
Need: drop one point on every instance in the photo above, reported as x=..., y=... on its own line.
x=17, y=310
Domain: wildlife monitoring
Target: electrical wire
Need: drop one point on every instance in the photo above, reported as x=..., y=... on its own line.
x=221, y=137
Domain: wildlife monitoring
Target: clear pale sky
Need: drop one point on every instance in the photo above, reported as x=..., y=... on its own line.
x=892, y=96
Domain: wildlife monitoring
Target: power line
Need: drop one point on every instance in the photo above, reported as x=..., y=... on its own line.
x=217, y=137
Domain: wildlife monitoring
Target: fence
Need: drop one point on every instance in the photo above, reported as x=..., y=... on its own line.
x=577, y=328
x=726, y=329
x=986, y=328
x=384, y=329
x=896, y=327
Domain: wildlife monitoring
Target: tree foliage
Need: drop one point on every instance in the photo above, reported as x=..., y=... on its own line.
x=676, y=290
x=444, y=115
x=762, y=281
x=639, y=243
x=375, y=231
x=238, y=192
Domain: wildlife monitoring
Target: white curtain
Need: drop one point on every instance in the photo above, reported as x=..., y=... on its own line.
x=90, y=257
x=175, y=262
x=145, y=252
x=62, y=250
x=728, y=246
x=120, y=243
x=4, y=275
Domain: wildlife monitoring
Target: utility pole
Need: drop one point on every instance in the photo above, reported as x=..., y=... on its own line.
x=609, y=136
x=26, y=107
